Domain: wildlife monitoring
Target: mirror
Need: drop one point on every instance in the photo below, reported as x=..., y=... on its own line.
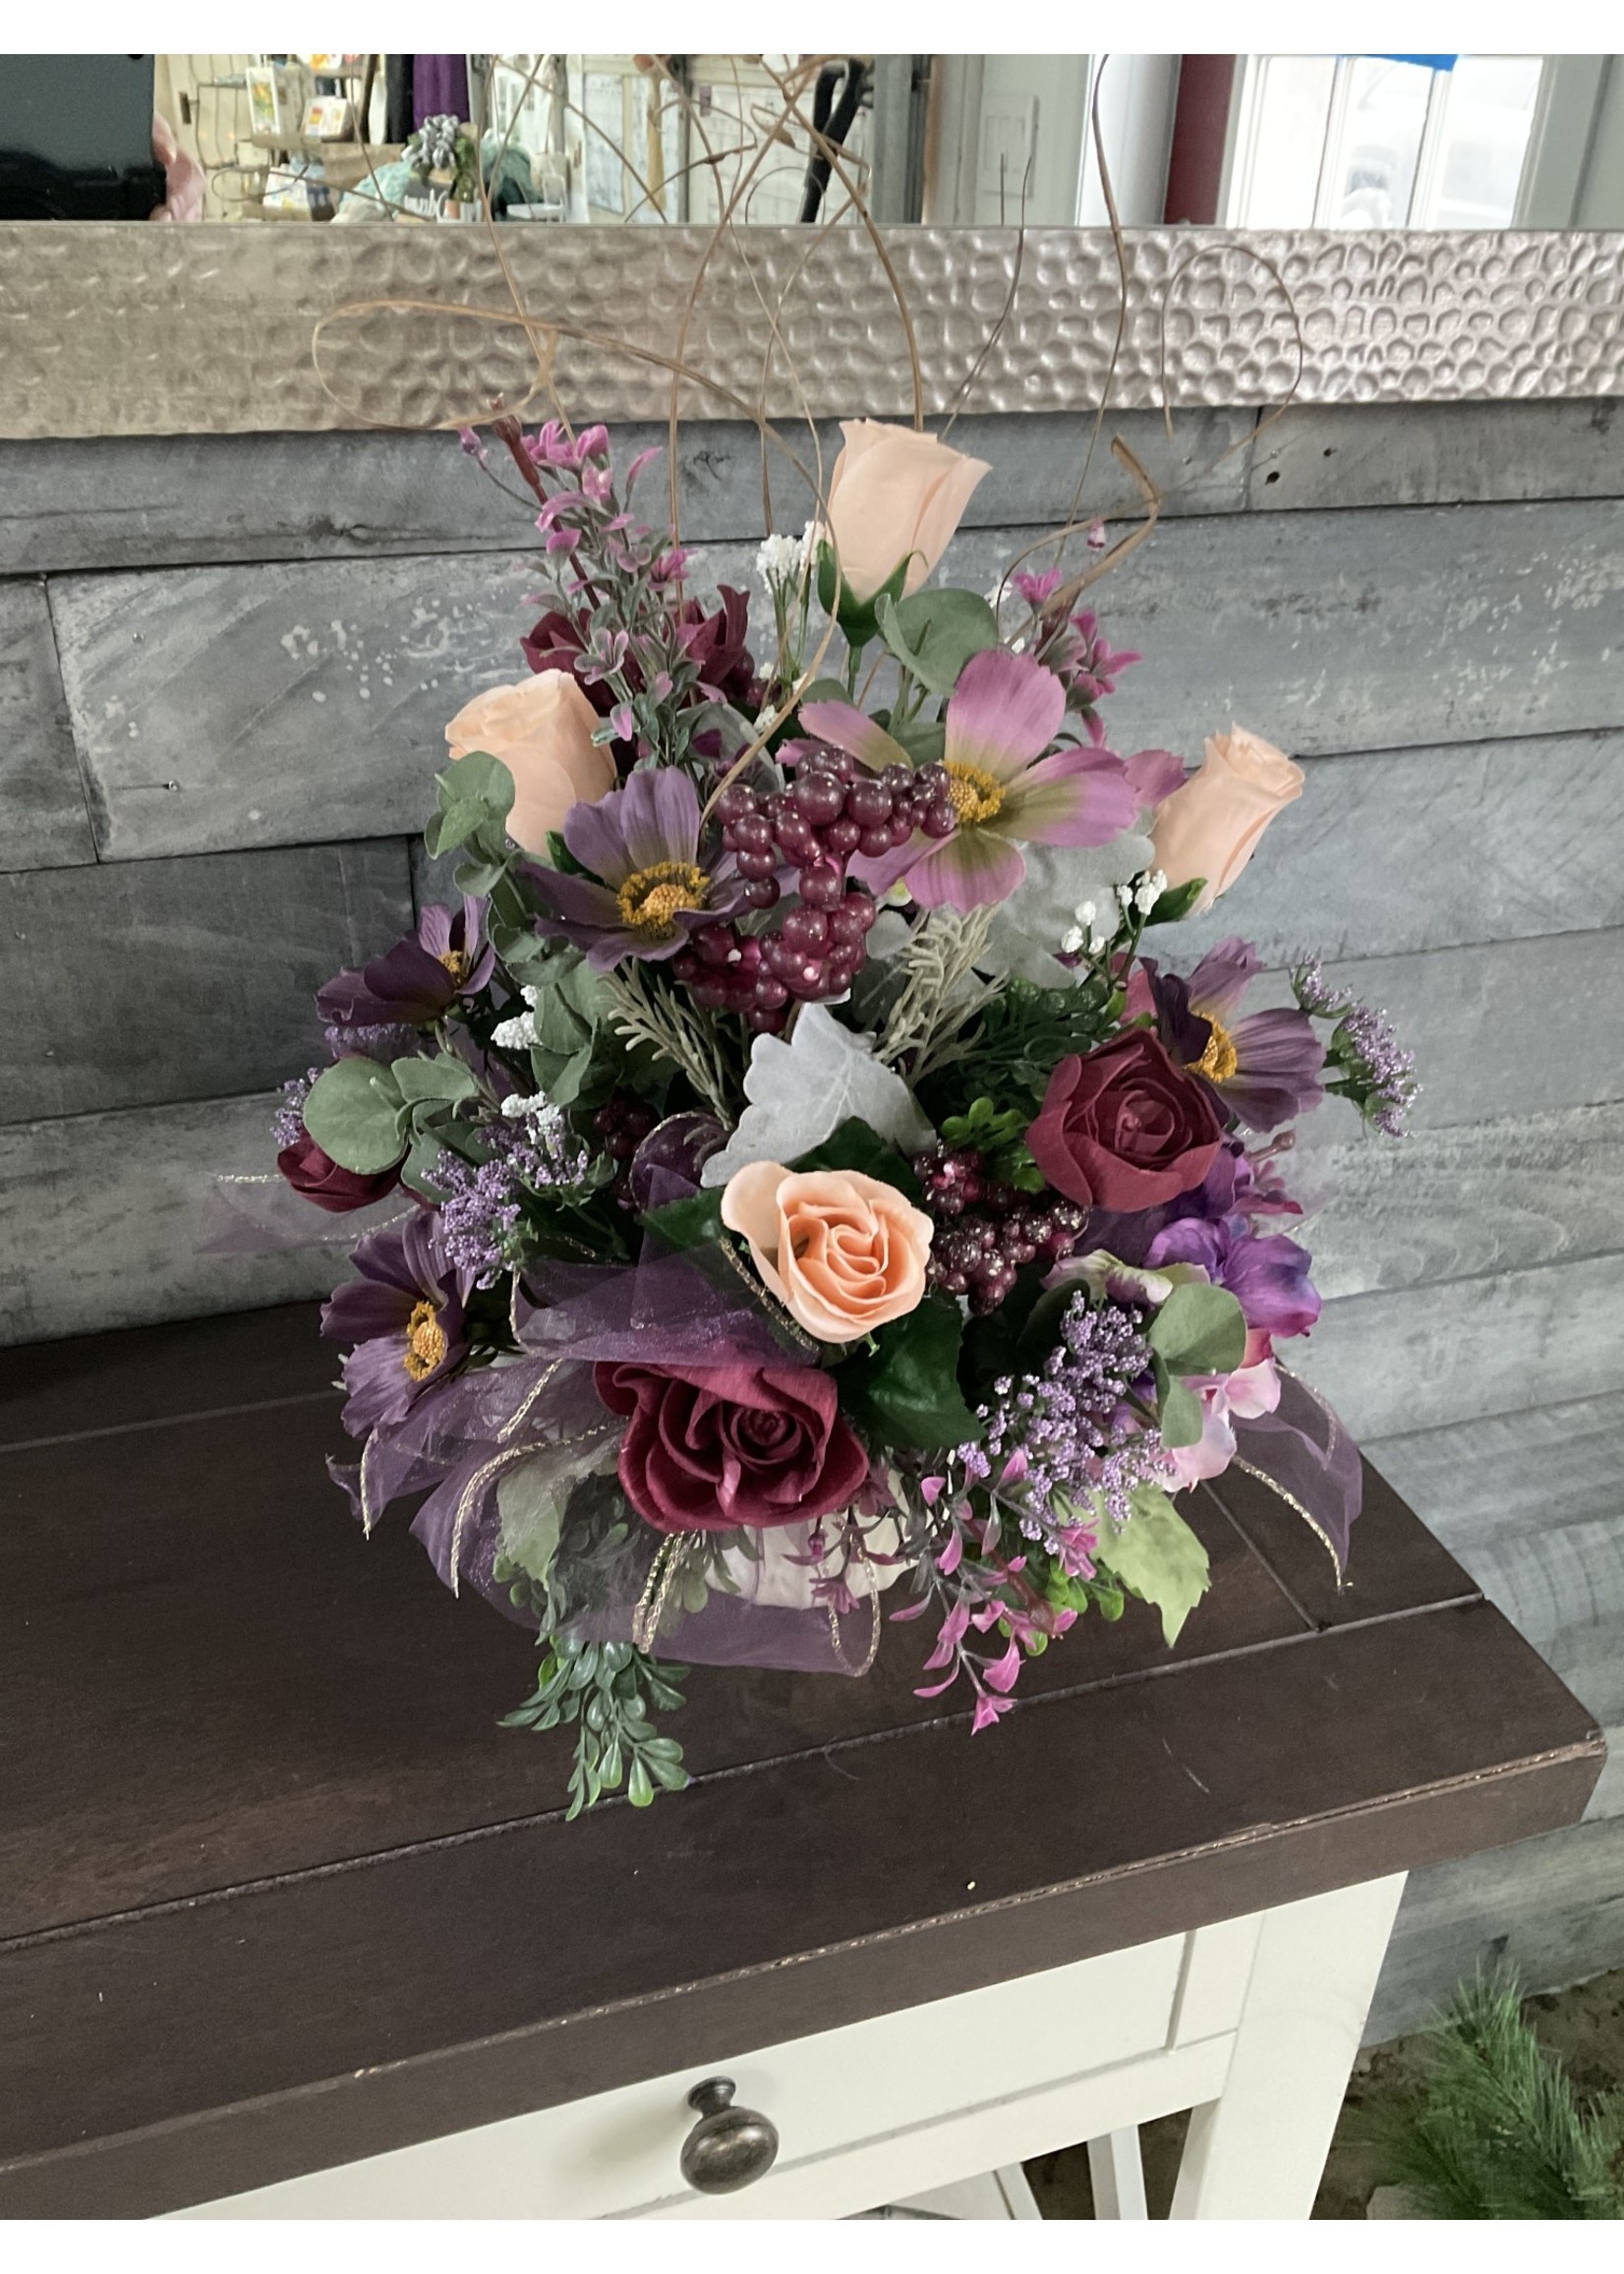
x=1241, y=142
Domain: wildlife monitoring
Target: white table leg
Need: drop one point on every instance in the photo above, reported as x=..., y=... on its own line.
x=1117, y=2174
x=1258, y=2151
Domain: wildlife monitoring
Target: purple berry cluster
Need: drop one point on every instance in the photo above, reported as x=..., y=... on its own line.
x=986, y=1229
x=800, y=840
x=620, y=1128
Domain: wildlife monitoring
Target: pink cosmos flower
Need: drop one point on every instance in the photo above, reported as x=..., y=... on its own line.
x=1002, y=717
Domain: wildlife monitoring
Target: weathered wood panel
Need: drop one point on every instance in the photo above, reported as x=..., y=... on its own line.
x=1533, y=1505
x=1401, y=850
x=1468, y=454
x=103, y=1216
x=1460, y=1203
x=322, y=678
x=1562, y=1461
x=137, y=501
x=1421, y=1357
x=1534, y=1022
x=1371, y=630
x=234, y=706
x=43, y=821
x=1554, y=1906
x=135, y=984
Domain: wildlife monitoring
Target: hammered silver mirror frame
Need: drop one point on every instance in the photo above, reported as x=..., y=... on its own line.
x=119, y=330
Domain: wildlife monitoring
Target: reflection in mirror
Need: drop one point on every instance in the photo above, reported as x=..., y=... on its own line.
x=1247, y=141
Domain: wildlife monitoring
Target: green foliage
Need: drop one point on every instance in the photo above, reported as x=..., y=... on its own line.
x=857, y=618
x=476, y=796
x=1025, y=1032
x=566, y=1016
x=1157, y=1557
x=1175, y=905
x=933, y=635
x=906, y=1391
x=999, y=1137
x=856, y=1148
x=1199, y=1330
x=1495, y=2129
x=686, y=1224
x=354, y=1112
x=606, y=1691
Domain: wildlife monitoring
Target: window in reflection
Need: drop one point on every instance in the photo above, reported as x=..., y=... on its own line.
x=1381, y=142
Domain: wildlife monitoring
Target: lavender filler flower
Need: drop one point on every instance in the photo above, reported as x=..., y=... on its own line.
x=481, y=1218
x=1068, y=1431
x=1364, y=1061
x=287, y=1124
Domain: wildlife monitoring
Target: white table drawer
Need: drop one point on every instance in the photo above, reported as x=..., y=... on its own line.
x=617, y=2153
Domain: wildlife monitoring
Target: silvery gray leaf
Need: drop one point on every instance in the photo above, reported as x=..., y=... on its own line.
x=801, y=1091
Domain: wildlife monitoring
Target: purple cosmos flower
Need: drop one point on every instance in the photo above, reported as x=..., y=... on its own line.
x=643, y=843
x=420, y=978
x=404, y=1315
x=1001, y=718
x=1265, y=1069
x=1268, y=1276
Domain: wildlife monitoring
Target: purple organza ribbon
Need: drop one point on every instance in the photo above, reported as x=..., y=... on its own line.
x=539, y=1412
x=1305, y=1457
x=263, y=1215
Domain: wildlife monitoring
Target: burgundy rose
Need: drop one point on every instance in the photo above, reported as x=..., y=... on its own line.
x=1124, y=1127
x=318, y=1177
x=710, y=1448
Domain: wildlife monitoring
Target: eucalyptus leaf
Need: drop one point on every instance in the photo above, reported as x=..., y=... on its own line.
x=445, y=1077
x=1179, y=1412
x=1158, y=1556
x=479, y=779
x=452, y=827
x=353, y=1112
x=1198, y=1329
x=935, y=634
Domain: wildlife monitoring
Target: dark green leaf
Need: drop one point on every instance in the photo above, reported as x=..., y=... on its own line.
x=1177, y=903
x=688, y=1224
x=452, y=827
x=856, y=1148
x=908, y=1388
x=855, y=617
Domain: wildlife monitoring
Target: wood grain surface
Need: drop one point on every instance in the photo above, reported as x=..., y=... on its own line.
x=263, y=1853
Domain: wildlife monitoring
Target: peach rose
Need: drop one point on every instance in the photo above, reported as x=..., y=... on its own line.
x=895, y=496
x=1211, y=826
x=842, y=1253
x=541, y=729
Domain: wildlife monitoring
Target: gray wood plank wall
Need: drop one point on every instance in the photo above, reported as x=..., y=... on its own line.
x=225, y=665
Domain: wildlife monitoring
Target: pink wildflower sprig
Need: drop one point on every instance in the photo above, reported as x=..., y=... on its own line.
x=964, y=1574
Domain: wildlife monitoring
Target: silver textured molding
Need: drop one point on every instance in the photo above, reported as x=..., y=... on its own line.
x=118, y=329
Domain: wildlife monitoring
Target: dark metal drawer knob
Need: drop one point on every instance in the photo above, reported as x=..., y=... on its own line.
x=729, y=2147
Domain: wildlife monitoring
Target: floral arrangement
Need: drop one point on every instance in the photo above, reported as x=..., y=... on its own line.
x=804, y=1199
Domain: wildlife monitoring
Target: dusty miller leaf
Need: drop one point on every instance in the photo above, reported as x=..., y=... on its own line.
x=801, y=1091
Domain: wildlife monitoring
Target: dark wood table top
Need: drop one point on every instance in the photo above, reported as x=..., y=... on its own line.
x=272, y=1878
